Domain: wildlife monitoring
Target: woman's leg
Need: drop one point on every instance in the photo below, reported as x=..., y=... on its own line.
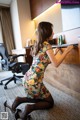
x=40, y=105
x=20, y=100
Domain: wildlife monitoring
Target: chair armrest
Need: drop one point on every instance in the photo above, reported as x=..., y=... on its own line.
x=14, y=57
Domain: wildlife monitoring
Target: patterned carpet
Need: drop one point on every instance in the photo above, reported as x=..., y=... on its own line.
x=65, y=108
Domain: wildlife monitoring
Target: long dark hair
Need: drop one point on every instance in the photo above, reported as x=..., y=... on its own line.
x=44, y=31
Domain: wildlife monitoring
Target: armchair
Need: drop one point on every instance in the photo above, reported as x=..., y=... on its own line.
x=10, y=63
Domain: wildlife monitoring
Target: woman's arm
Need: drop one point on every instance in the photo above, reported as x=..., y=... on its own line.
x=57, y=62
x=57, y=50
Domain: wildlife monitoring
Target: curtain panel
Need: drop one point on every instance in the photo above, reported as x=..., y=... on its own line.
x=7, y=31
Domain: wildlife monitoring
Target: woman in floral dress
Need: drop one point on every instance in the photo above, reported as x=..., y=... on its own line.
x=35, y=90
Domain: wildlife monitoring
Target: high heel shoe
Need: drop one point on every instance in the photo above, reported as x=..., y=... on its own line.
x=5, y=105
x=17, y=116
x=17, y=113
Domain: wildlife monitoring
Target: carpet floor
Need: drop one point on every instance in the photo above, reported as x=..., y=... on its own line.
x=65, y=108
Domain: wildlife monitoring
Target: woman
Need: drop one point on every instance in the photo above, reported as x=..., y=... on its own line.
x=36, y=91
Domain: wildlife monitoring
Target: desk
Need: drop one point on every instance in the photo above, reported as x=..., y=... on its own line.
x=64, y=45
x=73, y=56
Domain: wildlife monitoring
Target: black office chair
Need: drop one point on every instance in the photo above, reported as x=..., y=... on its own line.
x=10, y=63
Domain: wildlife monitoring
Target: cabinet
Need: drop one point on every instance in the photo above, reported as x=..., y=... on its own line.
x=39, y=6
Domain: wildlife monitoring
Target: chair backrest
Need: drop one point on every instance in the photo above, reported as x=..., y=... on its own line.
x=4, y=56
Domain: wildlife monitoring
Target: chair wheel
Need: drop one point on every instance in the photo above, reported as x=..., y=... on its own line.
x=1, y=83
x=5, y=87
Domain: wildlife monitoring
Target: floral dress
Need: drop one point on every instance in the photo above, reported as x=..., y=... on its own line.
x=33, y=83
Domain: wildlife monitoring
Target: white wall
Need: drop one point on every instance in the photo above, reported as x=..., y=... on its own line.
x=27, y=26
x=16, y=24
x=16, y=27
x=70, y=17
x=23, y=26
x=1, y=38
x=52, y=15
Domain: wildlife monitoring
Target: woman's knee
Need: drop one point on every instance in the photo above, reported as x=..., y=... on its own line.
x=17, y=99
x=52, y=103
x=50, y=100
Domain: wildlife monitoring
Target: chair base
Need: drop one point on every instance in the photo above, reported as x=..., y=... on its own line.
x=14, y=78
x=1, y=83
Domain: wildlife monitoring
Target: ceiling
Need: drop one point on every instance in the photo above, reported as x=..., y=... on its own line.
x=5, y=2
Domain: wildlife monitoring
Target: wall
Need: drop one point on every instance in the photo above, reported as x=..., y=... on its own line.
x=1, y=41
x=71, y=16
x=40, y=6
x=52, y=15
x=1, y=38
x=26, y=24
x=23, y=26
x=16, y=24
